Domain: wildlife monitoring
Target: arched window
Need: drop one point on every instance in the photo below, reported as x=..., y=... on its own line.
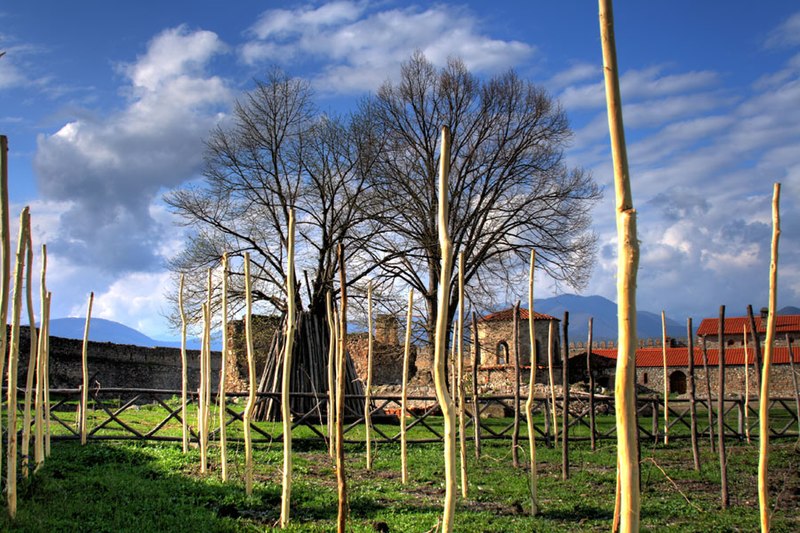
x=677, y=382
x=502, y=353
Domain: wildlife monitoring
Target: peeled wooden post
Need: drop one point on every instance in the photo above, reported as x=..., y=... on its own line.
x=32, y=348
x=565, y=400
x=440, y=344
x=332, y=344
x=368, y=391
x=404, y=392
x=747, y=385
x=40, y=357
x=201, y=395
x=184, y=370
x=46, y=377
x=666, y=376
x=207, y=355
x=769, y=347
x=692, y=394
x=85, y=370
x=286, y=377
x=515, y=433
x=531, y=387
x=251, y=376
x=341, y=478
x=551, y=378
x=460, y=378
x=794, y=383
x=710, y=410
x=723, y=462
x=758, y=360
x=223, y=370
x=592, y=421
x=627, y=265
x=13, y=360
x=5, y=248
x=476, y=357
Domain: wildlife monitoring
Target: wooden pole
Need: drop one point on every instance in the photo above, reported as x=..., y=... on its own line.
x=723, y=463
x=85, y=371
x=769, y=347
x=332, y=346
x=223, y=372
x=515, y=432
x=710, y=409
x=341, y=478
x=251, y=376
x=692, y=396
x=286, y=377
x=32, y=346
x=565, y=400
x=551, y=378
x=13, y=360
x=592, y=421
x=531, y=387
x=46, y=376
x=207, y=356
x=794, y=383
x=368, y=391
x=440, y=345
x=460, y=378
x=758, y=361
x=184, y=369
x=666, y=376
x=627, y=265
x=5, y=248
x=746, y=385
x=201, y=394
x=40, y=357
x=476, y=357
x=404, y=392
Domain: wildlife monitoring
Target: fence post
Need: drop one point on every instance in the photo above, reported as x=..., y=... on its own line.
x=654, y=410
x=740, y=417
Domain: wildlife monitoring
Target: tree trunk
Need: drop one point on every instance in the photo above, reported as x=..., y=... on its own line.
x=5, y=278
x=251, y=370
x=286, y=378
x=404, y=391
x=531, y=388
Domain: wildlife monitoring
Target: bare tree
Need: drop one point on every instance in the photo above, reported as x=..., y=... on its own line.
x=279, y=153
x=510, y=189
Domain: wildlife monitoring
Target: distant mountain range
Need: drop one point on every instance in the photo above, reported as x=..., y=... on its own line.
x=581, y=308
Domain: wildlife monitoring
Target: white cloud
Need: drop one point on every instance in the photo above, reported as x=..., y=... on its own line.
x=136, y=300
x=785, y=35
x=357, y=48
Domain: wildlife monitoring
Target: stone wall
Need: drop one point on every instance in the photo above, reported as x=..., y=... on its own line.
x=264, y=327
x=387, y=359
x=496, y=340
x=117, y=365
x=780, y=384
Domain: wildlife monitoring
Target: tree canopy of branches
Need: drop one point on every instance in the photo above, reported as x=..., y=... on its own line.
x=510, y=188
x=278, y=152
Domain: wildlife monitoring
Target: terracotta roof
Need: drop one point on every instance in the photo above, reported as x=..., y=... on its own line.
x=649, y=357
x=733, y=326
x=508, y=314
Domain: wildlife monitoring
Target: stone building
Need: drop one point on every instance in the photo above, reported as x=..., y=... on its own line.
x=733, y=333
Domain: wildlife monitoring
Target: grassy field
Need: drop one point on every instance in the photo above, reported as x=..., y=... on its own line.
x=141, y=487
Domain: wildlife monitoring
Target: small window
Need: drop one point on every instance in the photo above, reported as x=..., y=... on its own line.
x=731, y=342
x=502, y=353
x=644, y=378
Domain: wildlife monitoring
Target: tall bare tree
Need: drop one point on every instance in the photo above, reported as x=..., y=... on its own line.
x=510, y=188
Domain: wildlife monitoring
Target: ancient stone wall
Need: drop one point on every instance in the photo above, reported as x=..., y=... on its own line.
x=264, y=327
x=780, y=384
x=497, y=344
x=387, y=359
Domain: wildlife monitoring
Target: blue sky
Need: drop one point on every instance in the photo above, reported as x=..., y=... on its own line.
x=106, y=105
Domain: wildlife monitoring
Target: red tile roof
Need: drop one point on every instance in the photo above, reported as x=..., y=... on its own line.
x=734, y=325
x=508, y=314
x=649, y=357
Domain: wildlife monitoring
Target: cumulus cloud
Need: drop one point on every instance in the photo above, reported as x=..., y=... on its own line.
x=787, y=34
x=111, y=168
x=356, y=47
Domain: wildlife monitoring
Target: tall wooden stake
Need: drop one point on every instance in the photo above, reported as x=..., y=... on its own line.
x=758, y=360
x=33, y=345
x=565, y=400
x=769, y=346
x=794, y=384
x=440, y=345
x=404, y=392
x=747, y=385
x=40, y=357
x=85, y=371
x=251, y=376
x=5, y=248
x=476, y=357
x=223, y=371
x=184, y=370
x=590, y=373
x=341, y=478
x=515, y=432
x=723, y=462
x=333, y=342
x=710, y=410
x=551, y=378
x=13, y=360
x=201, y=394
x=531, y=388
x=286, y=377
x=46, y=377
x=462, y=438
x=692, y=396
x=627, y=265
x=666, y=375
x=368, y=391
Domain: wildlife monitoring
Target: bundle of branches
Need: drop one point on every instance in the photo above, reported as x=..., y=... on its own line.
x=309, y=373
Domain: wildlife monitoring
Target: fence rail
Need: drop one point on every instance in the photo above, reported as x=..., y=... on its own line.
x=155, y=414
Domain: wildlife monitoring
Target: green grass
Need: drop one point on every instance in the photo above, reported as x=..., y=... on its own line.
x=142, y=487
